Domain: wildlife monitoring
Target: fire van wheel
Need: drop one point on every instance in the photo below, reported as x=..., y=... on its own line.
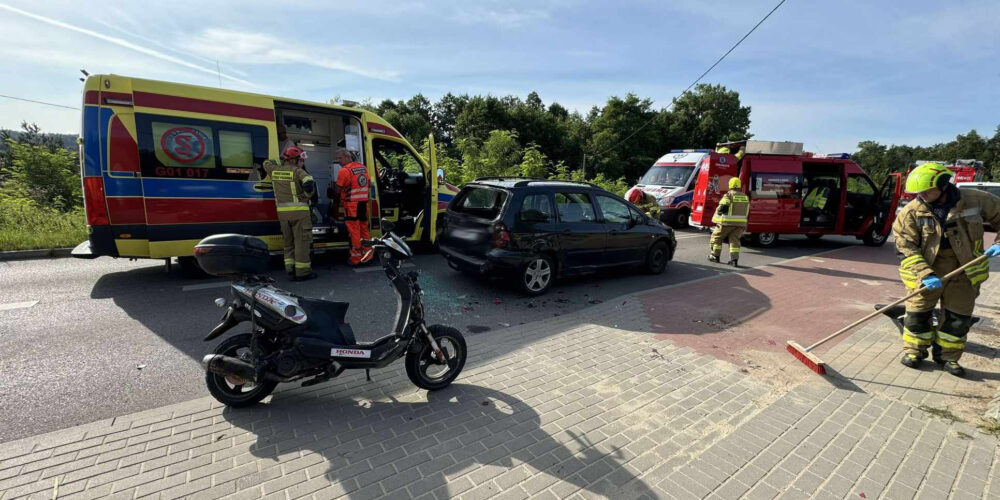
x=765, y=240
x=232, y=392
x=873, y=238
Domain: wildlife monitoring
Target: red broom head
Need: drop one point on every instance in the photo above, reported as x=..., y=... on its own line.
x=807, y=358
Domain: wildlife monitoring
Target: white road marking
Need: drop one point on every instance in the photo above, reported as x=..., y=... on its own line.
x=376, y=268
x=214, y=284
x=17, y=305
x=691, y=236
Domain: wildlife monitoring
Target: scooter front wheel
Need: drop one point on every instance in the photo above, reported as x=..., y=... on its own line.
x=232, y=391
x=424, y=368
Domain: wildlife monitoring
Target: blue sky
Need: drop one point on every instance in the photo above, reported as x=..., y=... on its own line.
x=825, y=73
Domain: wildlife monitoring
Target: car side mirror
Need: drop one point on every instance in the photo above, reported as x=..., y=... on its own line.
x=440, y=174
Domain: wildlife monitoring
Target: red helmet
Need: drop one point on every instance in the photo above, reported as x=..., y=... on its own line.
x=292, y=153
x=635, y=196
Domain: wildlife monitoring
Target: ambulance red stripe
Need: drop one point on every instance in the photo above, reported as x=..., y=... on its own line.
x=203, y=210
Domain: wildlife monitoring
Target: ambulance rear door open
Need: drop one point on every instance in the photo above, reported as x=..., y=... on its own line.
x=712, y=182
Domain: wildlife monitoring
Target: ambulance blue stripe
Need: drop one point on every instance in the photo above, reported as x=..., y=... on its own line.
x=445, y=197
x=122, y=186
x=200, y=188
x=93, y=118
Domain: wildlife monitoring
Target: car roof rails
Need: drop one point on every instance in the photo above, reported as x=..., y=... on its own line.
x=524, y=181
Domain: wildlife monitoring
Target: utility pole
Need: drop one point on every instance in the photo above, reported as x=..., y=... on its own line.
x=584, y=165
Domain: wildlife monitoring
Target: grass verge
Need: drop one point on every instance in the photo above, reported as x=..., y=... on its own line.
x=26, y=226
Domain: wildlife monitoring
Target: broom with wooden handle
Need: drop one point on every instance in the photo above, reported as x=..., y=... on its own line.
x=817, y=365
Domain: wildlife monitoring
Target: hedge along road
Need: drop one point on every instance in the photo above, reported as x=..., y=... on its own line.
x=86, y=340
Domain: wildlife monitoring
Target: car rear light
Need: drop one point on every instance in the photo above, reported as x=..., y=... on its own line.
x=94, y=202
x=501, y=237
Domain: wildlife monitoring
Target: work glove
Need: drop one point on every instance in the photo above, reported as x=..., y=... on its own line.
x=992, y=251
x=931, y=282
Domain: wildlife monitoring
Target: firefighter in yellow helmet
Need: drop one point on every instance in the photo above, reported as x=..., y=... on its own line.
x=293, y=188
x=938, y=231
x=730, y=221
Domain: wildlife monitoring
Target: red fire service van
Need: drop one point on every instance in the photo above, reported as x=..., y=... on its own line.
x=792, y=192
x=965, y=171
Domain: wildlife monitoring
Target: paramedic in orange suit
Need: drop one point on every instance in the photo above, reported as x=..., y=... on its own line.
x=354, y=188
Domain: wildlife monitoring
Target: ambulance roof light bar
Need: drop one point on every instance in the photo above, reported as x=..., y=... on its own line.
x=690, y=150
x=841, y=156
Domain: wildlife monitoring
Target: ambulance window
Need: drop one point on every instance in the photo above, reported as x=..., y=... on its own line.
x=236, y=148
x=186, y=148
x=396, y=156
x=775, y=186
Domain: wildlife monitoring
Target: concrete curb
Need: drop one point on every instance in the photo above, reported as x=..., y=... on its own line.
x=45, y=253
x=993, y=410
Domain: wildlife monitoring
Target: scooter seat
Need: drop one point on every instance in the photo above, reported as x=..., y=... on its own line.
x=326, y=320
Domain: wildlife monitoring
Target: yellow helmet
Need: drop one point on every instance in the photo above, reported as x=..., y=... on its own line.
x=723, y=150
x=735, y=183
x=927, y=176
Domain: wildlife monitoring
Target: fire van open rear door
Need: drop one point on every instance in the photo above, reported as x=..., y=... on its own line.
x=714, y=173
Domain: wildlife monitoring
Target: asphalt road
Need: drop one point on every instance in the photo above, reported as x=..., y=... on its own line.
x=86, y=340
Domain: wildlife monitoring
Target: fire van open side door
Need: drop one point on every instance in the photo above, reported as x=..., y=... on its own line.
x=889, y=195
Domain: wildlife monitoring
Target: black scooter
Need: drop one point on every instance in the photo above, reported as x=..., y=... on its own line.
x=294, y=338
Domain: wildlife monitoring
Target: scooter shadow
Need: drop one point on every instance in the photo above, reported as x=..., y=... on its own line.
x=420, y=446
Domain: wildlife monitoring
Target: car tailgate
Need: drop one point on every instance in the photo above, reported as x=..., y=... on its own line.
x=467, y=234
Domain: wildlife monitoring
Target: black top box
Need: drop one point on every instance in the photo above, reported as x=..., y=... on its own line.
x=232, y=255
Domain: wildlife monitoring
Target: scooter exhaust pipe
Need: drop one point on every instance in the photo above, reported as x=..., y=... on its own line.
x=228, y=366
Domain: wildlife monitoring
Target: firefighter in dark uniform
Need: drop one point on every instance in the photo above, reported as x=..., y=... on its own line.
x=730, y=221
x=937, y=232
x=293, y=189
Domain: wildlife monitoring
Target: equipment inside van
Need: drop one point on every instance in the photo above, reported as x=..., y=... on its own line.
x=795, y=192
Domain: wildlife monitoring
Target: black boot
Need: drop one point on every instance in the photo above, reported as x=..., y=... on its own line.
x=954, y=368
x=306, y=277
x=713, y=258
x=911, y=360
x=936, y=354
x=734, y=262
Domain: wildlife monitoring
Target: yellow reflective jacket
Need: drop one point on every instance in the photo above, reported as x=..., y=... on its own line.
x=918, y=235
x=733, y=209
x=289, y=192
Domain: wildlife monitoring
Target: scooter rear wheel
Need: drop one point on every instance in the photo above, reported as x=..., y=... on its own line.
x=422, y=366
x=234, y=392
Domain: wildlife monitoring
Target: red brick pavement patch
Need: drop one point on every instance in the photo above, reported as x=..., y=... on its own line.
x=804, y=299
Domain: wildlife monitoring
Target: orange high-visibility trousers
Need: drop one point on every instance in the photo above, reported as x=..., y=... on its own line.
x=358, y=230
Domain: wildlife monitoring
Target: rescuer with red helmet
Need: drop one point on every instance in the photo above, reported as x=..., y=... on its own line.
x=293, y=188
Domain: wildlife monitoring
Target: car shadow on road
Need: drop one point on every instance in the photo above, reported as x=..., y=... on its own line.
x=428, y=445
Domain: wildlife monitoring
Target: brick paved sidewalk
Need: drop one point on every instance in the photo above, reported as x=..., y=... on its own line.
x=600, y=403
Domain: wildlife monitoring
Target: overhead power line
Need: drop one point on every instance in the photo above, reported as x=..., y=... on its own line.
x=39, y=102
x=689, y=87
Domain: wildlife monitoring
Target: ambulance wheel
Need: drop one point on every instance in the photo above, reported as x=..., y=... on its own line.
x=872, y=238
x=682, y=219
x=765, y=240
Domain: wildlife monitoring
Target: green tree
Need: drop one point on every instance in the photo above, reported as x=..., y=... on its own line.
x=534, y=163
x=499, y=155
x=708, y=115
x=620, y=145
x=46, y=177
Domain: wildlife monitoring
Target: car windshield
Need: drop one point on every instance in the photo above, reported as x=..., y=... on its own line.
x=667, y=175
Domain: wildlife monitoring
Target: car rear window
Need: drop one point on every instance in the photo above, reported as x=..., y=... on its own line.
x=479, y=201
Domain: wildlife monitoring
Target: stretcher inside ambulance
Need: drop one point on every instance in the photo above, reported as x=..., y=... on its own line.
x=792, y=192
x=671, y=181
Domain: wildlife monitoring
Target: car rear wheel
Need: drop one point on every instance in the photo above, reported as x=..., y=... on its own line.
x=537, y=275
x=657, y=258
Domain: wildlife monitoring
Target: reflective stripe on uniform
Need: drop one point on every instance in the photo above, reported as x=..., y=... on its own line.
x=293, y=206
x=949, y=341
x=922, y=339
x=911, y=259
x=302, y=265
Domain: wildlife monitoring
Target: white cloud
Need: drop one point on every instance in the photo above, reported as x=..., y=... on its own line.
x=503, y=17
x=254, y=48
x=122, y=43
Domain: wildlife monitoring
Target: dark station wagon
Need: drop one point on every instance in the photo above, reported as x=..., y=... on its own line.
x=534, y=230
